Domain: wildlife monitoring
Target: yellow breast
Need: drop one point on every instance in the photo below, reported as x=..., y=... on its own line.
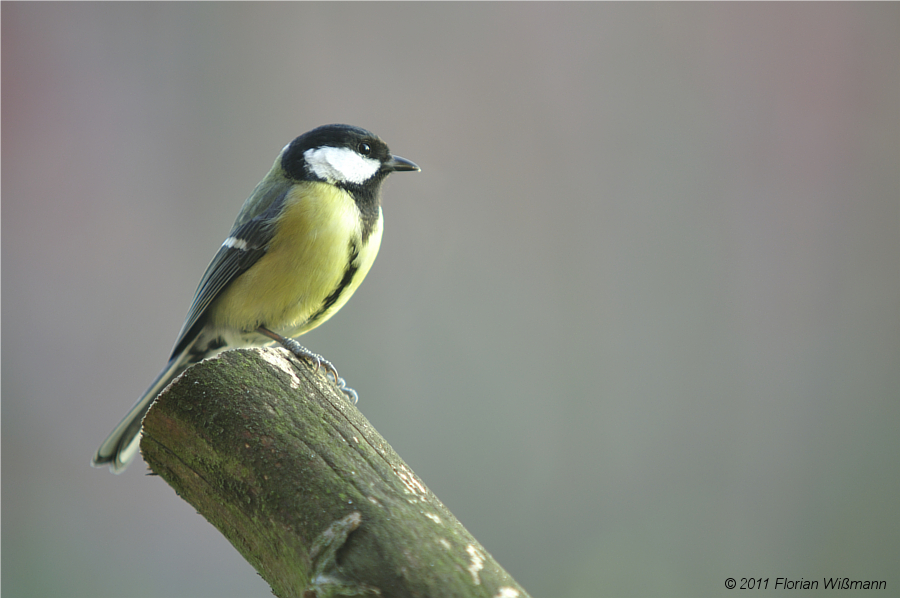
x=315, y=262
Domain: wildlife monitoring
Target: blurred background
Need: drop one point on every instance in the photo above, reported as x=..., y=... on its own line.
x=636, y=322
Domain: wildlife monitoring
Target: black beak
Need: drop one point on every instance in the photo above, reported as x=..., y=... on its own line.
x=398, y=164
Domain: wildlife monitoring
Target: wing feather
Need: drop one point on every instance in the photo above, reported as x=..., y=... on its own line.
x=246, y=244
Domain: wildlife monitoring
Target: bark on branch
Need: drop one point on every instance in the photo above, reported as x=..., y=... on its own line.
x=304, y=487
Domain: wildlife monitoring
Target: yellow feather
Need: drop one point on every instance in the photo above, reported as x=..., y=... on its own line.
x=304, y=264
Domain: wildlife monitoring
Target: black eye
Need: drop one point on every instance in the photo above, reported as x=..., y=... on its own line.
x=363, y=149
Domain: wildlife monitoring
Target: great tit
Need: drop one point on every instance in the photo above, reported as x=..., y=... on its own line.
x=300, y=246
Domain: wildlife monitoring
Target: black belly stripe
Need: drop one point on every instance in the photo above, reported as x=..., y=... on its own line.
x=349, y=273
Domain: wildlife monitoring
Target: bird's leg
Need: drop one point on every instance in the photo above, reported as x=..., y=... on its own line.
x=299, y=350
x=303, y=353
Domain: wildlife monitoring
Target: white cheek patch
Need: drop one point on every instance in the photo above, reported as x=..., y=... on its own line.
x=340, y=165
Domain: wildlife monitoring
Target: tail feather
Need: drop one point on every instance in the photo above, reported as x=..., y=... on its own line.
x=122, y=444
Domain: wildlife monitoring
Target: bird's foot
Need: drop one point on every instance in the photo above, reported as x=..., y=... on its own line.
x=314, y=358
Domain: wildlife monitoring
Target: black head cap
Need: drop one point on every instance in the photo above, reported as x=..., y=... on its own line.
x=301, y=160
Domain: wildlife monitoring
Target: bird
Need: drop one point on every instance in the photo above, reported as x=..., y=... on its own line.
x=300, y=246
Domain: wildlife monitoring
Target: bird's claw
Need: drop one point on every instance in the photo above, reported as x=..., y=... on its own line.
x=342, y=385
x=320, y=362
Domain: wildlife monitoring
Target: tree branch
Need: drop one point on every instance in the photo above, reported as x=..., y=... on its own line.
x=304, y=487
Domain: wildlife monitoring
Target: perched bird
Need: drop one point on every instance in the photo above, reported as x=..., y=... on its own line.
x=300, y=246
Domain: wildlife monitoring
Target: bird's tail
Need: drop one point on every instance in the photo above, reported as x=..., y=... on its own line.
x=122, y=444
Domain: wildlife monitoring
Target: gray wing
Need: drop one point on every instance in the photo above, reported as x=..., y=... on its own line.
x=245, y=245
